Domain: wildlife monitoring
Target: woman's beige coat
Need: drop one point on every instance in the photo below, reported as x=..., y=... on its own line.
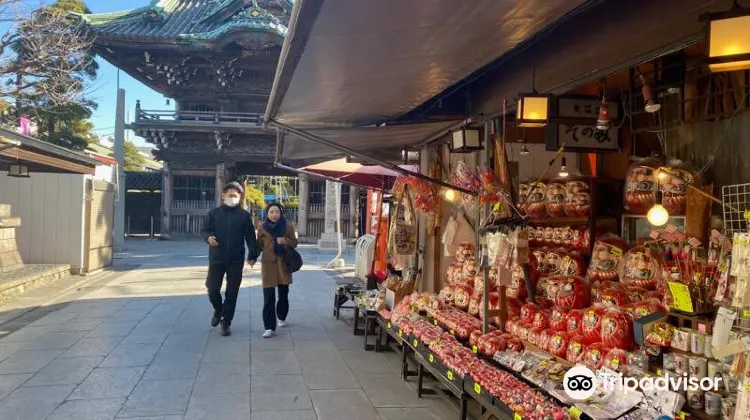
x=272, y=268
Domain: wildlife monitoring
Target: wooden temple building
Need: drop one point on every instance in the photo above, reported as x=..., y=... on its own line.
x=216, y=60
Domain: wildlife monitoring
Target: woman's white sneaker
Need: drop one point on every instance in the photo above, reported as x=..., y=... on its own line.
x=268, y=334
x=282, y=324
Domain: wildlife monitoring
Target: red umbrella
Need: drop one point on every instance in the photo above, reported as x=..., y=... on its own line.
x=355, y=173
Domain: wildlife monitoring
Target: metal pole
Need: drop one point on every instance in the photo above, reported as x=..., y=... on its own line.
x=152, y=227
x=355, y=153
x=119, y=222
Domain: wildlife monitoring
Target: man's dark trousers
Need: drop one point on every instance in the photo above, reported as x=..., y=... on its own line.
x=214, y=280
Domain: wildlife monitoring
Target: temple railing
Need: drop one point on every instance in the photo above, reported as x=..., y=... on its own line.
x=210, y=117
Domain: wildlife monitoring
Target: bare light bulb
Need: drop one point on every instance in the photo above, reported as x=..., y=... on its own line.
x=657, y=215
x=449, y=194
x=563, y=168
x=524, y=151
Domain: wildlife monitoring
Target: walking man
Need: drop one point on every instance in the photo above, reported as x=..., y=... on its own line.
x=227, y=230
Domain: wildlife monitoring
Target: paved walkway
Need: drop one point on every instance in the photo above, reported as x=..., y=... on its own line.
x=140, y=346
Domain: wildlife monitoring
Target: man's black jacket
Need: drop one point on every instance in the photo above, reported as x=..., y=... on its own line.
x=232, y=228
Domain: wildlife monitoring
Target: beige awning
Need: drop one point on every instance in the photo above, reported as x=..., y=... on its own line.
x=348, y=65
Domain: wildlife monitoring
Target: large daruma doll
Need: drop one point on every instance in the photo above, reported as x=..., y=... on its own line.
x=606, y=258
x=641, y=269
x=640, y=185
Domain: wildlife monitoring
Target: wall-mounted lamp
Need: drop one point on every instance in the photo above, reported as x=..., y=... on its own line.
x=466, y=141
x=728, y=39
x=17, y=170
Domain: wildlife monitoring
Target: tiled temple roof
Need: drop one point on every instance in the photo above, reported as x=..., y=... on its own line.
x=186, y=20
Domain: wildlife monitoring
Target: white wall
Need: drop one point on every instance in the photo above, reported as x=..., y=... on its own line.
x=51, y=207
x=105, y=173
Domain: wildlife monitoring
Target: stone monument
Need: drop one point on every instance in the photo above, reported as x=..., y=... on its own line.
x=10, y=259
x=332, y=238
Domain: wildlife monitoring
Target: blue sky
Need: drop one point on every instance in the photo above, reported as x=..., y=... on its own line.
x=104, y=90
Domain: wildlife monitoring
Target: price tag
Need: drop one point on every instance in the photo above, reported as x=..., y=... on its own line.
x=474, y=349
x=453, y=332
x=681, y=296
x=400, y=333
x=575, y=413
x=517, y=416
x=389, y=326
x=747, y=215
x=431, y=358
x=746, y=313
x=747, y=387
x=434, y=321
x=449, y=375
x=478, y=389
x=616, y=251
x=615, y=363
x=416, y=343
x=592, y=313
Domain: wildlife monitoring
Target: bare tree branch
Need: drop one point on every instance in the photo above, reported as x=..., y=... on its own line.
x=44, y=58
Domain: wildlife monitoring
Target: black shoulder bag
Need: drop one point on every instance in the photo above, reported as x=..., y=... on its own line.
x=292, y=259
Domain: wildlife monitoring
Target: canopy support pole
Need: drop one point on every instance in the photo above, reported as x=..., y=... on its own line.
x=350, y=152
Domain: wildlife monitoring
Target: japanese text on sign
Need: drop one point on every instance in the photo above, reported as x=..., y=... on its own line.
x=587, y=137
x=681, y=296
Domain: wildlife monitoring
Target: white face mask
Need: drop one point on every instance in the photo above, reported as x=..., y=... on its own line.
x=231, y=201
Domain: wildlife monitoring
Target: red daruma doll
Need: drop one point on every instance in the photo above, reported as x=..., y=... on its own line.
x=641, y=269
x=592, y=323
x=593, y=357
x=617, y=329
x=572, y=293
x=606, y=258
x=557, y=320
x=558, y=344
x=576, y=348
x=573, y=322
x=640, y=185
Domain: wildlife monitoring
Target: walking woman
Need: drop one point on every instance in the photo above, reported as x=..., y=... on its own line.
x=274, y=236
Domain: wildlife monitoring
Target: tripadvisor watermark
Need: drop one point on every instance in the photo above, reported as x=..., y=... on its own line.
x=580, y=383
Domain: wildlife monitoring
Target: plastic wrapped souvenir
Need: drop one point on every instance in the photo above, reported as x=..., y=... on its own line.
x=572, y=264
x=617, y=360
x=591, y=325
x=577, y=198
x=606, y=258
x=528, y=312
x=465, y=251
x=593, y=357
x=555, y=198
x=640, y=269
x=446, y=293
x=462, y=296
x=640, y=185
x=517, y=287
x=554, y=259
x=673, y=184
x=558, y=344
x=536, y=206
x=573, y=322
x=534, y=335
x=541, y=319
x=617, y=329
x=475, y=305
x=513, y=307
x=544, y=338
x=647, y=307
x=455, y=273
x=576, y=349
x=513, y=343
x=616, y=296
x=557, y=320
x=661, y=334
x=572, y=293
x=470, y=269
x=549, y=236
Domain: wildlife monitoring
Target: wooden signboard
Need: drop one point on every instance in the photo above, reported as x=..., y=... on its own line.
x=575, y=125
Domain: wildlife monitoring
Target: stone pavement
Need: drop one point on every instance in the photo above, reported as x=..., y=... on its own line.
x=140, y=347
